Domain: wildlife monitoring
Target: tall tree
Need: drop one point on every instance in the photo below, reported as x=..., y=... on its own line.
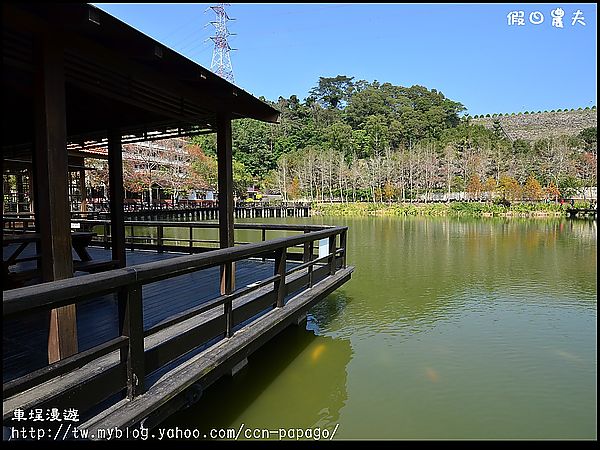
x=333, y=93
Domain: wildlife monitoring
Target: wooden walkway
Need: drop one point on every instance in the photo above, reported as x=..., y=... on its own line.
x=152, y=336
x=25, y=341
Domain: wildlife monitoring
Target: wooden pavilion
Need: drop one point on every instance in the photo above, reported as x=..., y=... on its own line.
x=76, y=79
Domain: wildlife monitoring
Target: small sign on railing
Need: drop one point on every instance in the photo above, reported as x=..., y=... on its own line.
x=76, y=225
x=323, y=247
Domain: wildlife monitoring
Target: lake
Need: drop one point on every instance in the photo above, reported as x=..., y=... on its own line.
x=449, y=329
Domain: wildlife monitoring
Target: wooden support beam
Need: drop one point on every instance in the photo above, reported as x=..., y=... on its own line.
x=117, y=216
x=225, y=166
x=306, y=256
x=32, y=190
x=343, y=244
x=332, y=250
x=131, y=325
x=83, y=205
x=52, y=194
x=20, y=195
x=279, y=270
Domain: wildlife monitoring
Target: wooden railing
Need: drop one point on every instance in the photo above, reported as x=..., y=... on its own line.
x=155, y=235
x=129, y=370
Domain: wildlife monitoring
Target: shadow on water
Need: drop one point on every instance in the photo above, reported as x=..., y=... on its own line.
x=297, y=367
x=321, y=317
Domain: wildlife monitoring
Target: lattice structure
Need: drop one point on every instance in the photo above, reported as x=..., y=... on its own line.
x=221, y=60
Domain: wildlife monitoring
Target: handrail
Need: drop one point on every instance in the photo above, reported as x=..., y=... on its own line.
x=178, y=224
x=61, y=292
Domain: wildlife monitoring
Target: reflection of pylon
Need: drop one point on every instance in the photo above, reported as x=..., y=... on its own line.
x=221, y=61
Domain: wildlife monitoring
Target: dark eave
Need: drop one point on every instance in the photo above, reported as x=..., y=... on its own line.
x=116, y=77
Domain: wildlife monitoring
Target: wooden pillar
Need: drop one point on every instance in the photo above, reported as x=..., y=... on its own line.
x=83, y=205
x=20, y=194
x=32, y=194
x=117, y=216
x=225, y=166
x=53, y=218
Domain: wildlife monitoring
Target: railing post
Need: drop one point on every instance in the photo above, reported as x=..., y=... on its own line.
x=264, y=238
x=332, y=253
x=311, y=249
x=191, y=239
x=228, y=317
x=132, y=237
x=343, y=243
x=306, y=255
x=132, y=325
x=159, y=237
x=280, y=270
x=226, y=289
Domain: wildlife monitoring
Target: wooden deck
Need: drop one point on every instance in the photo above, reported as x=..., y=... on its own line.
x=25, y=342
x=152, y=336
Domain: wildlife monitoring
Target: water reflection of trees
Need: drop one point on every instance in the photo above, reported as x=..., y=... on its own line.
x=415, y=270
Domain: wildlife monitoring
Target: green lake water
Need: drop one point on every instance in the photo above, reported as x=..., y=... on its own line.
x=449, y=329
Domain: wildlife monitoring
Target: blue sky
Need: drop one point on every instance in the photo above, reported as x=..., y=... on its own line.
x=468, y=52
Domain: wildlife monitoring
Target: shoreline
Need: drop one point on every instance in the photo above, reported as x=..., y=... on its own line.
x=466, y=209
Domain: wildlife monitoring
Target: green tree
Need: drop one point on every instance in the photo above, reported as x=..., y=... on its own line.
x=333, y=93
x=254, y=146
x=590, y=137
x=204, y=166
x=569, y=185
x=521, y=146
x=338, y=137
x=497, y=129
x=242, y=179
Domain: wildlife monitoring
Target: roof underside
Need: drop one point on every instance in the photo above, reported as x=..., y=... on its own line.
x=115, y=77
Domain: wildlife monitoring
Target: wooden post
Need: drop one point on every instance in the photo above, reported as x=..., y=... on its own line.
x=280, y=270
x=306, y=256
x=53, y=218
x=20, y=194
x=117, y=216
x=131, y=324
x=159, y=237
x=83, y=205
x=264, y=238
x=311, y=249
x=32, y=193
x=343, y=245
x=332, y=257
x=225, y=166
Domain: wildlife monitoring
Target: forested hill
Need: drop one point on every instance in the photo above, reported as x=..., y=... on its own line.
x=532, y=126
x=361, y=140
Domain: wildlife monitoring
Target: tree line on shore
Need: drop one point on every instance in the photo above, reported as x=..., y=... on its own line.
x=361, y=141
x=377, y=142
